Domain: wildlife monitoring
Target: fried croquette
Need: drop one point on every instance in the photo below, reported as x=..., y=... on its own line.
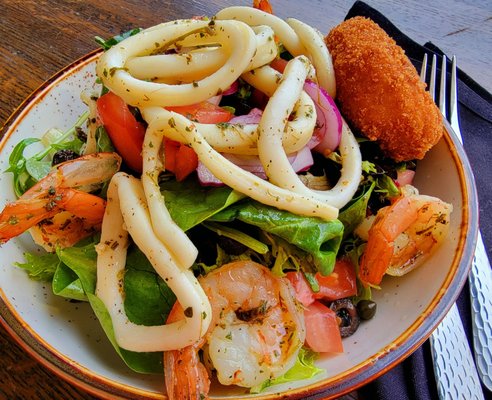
x=379, y=90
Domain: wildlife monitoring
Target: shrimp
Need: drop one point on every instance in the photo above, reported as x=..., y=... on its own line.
x=256, y=332
x=185, y=375
x=64, y=189
x=404, y=235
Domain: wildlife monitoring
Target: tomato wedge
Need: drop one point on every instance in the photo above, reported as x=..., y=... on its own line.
x=339, y=284
x=179, y=158
x=322, y=332
x=126, y=133
x=203, y=112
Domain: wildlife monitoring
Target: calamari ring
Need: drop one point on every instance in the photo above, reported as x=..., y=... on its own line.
x=236, y=38
x=273, y=157
x=318, y=53
x=126, y=207
x=199, y=60
x=183, y=249
x=242, y=138
x=243, y=181
x=254, y=17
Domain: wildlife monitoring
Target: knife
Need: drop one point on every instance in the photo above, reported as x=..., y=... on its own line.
x=480, y=280
x=454, y=368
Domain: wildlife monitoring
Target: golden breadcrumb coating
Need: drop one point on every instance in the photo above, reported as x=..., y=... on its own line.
x=379, y=90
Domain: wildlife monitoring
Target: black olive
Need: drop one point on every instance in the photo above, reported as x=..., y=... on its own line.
x=366, y=309
x=64, y=155
x=347, y=316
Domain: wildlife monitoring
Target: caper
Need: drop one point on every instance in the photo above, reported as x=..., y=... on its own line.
x=366, y=309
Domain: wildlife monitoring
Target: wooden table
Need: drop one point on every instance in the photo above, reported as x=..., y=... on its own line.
x=37, y=38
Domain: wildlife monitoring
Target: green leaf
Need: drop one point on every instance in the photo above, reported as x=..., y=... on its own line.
x=40, y=267
x=67, y=284
x=238, y=236
x=148, y=299
x=17, y=165
x=319, y=238
x=190, y=204
x=103, y=142
x=37, y=169
x=107, y=44
x=355, y=211
x=145, y=362
x=304, y=368
x=82, y=260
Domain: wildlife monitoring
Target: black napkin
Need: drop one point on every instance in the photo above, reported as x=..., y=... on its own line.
x=413, y=379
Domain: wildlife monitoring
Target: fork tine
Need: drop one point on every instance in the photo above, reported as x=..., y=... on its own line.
x=432, y=83
x=423, y=70
x=442, y=87
x=453, y=96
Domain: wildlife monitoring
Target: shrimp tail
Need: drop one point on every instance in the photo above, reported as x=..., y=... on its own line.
x=185, y=376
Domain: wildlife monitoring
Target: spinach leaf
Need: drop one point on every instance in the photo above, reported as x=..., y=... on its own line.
x=82, y=261
x=190, y=204
x=148, y=299
x=320, y=239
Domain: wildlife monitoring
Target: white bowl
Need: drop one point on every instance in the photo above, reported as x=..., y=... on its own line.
x=67, y=338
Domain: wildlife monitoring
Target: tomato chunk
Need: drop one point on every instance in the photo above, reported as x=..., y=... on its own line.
x=204, y=112
x=339, y=284
x=126, y=133
x=322, y=332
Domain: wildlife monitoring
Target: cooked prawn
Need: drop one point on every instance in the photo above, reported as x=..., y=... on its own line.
x=403, y=235
x=256, y=332
x=192, y=381
x=63, y=189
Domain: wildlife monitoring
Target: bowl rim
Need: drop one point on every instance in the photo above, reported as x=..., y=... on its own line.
x=335, y=386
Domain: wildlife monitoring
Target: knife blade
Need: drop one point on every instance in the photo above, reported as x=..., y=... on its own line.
x=480, y=280
x=454, y=368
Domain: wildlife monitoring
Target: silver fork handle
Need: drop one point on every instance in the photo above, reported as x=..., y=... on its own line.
x=480, y=280
x=456, y=375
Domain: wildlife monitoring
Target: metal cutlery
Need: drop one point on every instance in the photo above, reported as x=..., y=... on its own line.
x=456, y=374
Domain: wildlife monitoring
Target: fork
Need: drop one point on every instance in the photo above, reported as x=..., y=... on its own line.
x=455, y=371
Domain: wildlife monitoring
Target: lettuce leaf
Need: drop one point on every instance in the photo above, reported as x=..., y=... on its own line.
x=40, y=267
x=320, y=239
x=304, y=368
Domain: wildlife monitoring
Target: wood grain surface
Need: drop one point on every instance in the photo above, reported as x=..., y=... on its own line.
x=37, y=38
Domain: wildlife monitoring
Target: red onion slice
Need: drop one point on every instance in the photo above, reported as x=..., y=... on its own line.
x=328, y=131
x=300, y=161
x=253, y=117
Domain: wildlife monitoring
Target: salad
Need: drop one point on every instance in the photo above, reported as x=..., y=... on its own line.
x=214, y=207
